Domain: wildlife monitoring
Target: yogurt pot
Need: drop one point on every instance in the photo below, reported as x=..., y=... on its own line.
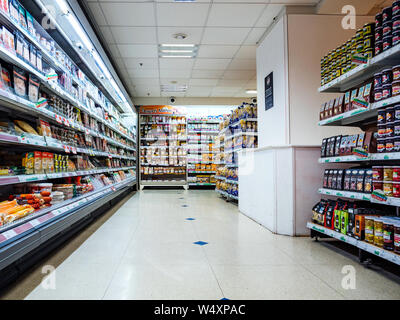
x=395, y=88
x=396, y=73
x=387, y=43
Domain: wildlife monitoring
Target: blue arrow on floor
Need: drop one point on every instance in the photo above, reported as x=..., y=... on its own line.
x=190, y=219
x=200, y=243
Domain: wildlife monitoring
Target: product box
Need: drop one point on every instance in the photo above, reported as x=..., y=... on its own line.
x=336, y=219
x=328, y=223
x=37, y=162
x=338, y=141
x=344, y=219
x=354, y=94
x=323, y=148
x=322, y=111
x=347, y=104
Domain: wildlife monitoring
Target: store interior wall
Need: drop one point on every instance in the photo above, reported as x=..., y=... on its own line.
x=310, y=37
x=271, y=57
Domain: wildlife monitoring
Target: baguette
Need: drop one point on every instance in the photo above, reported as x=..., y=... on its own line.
x=26, y=127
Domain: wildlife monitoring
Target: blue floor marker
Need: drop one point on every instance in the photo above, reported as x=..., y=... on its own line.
x=185, y=206
x=224, y=299
x=200, y=243
x=190, y=219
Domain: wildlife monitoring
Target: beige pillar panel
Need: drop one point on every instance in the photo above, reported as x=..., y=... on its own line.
x=363, y=7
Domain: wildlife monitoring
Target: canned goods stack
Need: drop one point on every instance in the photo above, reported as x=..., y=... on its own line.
x=388, y=139
x=387, y=179
x=387, y=83
x=387, y=28
x=341, y=60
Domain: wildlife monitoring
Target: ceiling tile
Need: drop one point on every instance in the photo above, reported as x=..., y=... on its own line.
x=182, y=14
x=176, y=63
x=232, y=83
x=246, y=52
x=174, y=73
x=237, y=75
x=242, y=64
x=207, y=74
x=114, y=50
x=212, y=51
x=131, y=35
x=198, y=91
x=146, y=81
x=228, y=36
x=129, y=14
x=203, y=82
x=234, y=15
x=148, y=91
x=176, y=81
x=97, y=13
x=141, y=63
x=165, y=34
x=254, y=36
x=106, y=33
x=211, y=64
x=243, y=1
x=271, y=11
x=138, y=50
x=143, y=73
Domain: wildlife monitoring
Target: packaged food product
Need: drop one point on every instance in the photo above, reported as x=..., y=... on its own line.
x=395, y=88
x=387, y=14
x=378, y=47
x=378, y=20
x=33, y=88
x=368, y=181
x=395, y=8
x=20, y=81
x=396, y=23
x=377, y=173
x=388, y=188
x=22, y=17
x=32, y=57
x=387, y=42
x=39, y=64
x=387, y=173
x=5, y=74
x=26, y=54
x=14, y=10
x=26, y=127
x=377, y=185
x=378, y=232
x=29, y=21
x=396, y=189
x=386, y=91
x=19, y=44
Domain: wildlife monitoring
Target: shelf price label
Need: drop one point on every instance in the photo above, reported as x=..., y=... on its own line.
x=41, y=103
x=59, y=119
x=87, y=131
x=73, y=149
x=66, y=122
x=66, y=148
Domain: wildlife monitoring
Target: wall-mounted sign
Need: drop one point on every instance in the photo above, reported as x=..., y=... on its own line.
x=162, y=110
x=269, y=91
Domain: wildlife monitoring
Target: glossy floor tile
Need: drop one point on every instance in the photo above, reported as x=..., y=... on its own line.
x=147, y=250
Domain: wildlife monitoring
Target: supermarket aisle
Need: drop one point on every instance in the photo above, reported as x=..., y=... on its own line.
x=146, y=250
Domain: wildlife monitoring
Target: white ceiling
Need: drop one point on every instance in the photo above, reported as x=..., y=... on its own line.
x=225, y=30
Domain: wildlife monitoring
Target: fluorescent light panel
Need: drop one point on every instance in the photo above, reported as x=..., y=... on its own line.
x=177, y=50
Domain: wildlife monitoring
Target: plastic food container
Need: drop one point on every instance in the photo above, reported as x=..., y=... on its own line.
x=39, y=187
x=389, y=131
x=396, y=128
x=388, y=188
x=397, y=112
x=377, y=173
x=387, y=42
x=389, y=115
x=378, y=47
x=396, y=22
x=381, y=117
x=386, y=91
x=395, y=8
x=381, y=130
x=377, y=185
x=381, y=145
x=395, y=88
x=386, y=14
x=387, y=76
x=389, y=144
x=387, y=29
x=396, y=38
x=378, y=34
x=378, y=20
x=396, y=147
x=378, y=93
x=378, y=79
x=396, y=73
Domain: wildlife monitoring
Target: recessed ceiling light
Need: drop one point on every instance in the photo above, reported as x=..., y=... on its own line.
x=177, y=50
x=173, y=88
x=251, y=91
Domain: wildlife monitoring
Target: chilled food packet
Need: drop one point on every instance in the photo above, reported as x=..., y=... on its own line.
x=29, y=21
x=39, y=63
x=32, y=57
x=6, y=77
x=14, y=10
x=19, y=44
x=33, y=88
x=26, y=53
x=8, y=39
x=20, y=81
x=22, y=17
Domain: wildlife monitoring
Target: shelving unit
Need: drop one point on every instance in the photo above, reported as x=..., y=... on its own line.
x=80, y=123
x=235, y=135
x=201, y=151
x=361, y=117
x=163, y=153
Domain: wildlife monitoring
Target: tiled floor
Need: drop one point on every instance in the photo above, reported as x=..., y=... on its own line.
x=146, y=251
